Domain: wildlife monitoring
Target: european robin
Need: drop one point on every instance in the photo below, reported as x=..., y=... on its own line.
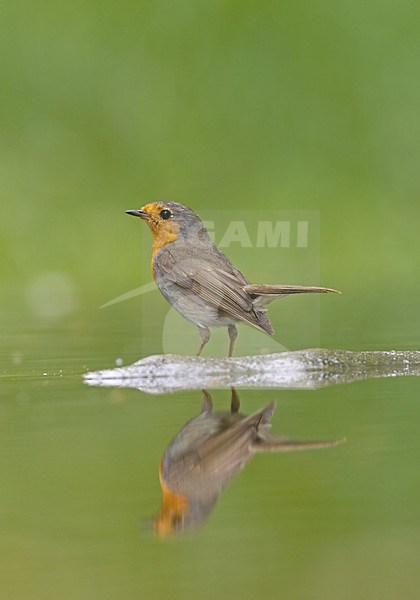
x=199, y=281
x=207, y=453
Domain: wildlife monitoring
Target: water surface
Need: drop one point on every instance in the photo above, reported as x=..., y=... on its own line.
x=81, y=487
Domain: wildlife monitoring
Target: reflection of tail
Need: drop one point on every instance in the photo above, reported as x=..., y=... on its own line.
x=256, y=429
x=269, y=442
x=286, y=290
x=279, y=444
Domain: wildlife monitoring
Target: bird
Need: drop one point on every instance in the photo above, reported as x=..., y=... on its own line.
x=207, y=454
x=199, y=281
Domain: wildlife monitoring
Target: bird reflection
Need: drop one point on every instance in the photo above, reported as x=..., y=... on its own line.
x=207, y=453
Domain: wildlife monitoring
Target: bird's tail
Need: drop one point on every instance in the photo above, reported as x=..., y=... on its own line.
x=286, y=290
x=275, y=443
x=264, y=294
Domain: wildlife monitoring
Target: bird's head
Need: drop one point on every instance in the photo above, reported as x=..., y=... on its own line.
x=169, y=220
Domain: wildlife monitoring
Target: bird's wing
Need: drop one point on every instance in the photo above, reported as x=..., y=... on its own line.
x=214, y=284
x=234, y=444
x=227, y=449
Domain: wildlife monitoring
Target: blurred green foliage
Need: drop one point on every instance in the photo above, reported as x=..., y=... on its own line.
x=297, y=105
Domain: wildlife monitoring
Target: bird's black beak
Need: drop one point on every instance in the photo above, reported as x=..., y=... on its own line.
x=138, y=213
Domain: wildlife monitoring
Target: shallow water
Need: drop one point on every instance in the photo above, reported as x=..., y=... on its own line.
x=302, y=369
x=81, y=488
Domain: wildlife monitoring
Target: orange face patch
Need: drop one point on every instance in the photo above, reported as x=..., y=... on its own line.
x=164, y=231
x=173, y=507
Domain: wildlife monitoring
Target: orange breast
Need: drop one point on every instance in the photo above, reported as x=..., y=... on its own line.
x=164, y=232
x=173, y=506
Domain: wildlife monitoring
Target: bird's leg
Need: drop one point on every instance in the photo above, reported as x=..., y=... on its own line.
x=204, y=336
x=206, y=403
x=233, y=333
x=234, y=402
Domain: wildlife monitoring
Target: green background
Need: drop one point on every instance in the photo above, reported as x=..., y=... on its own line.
x=276, y=105
x=223, y=105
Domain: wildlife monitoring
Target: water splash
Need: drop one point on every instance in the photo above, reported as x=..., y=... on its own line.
x=302, y=369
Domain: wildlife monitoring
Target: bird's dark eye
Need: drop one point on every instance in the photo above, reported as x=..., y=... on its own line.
x=165, y=214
